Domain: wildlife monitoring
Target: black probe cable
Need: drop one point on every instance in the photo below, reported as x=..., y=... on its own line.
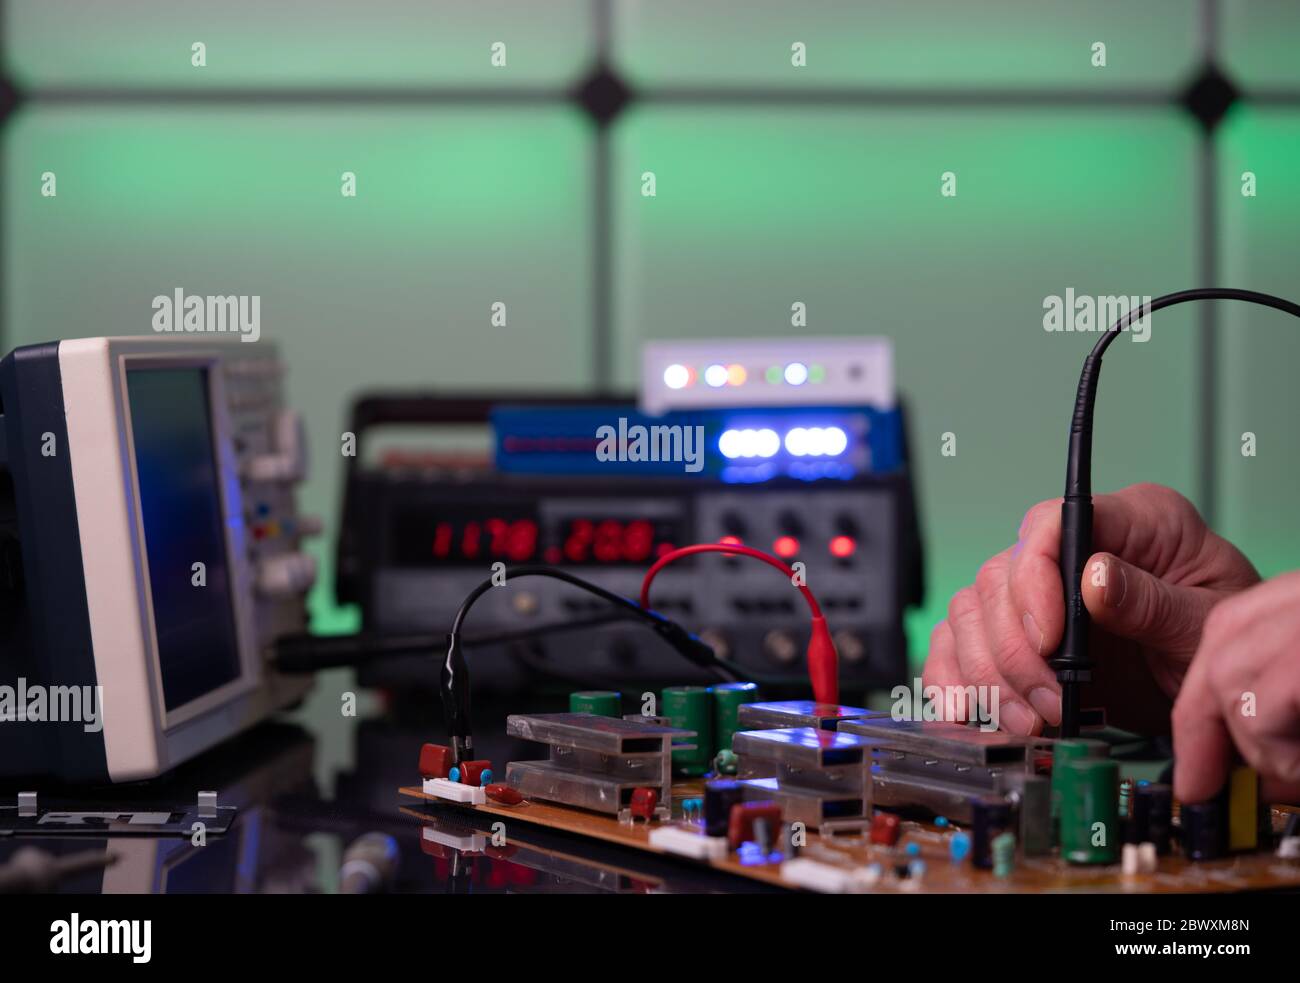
x=453, y=674
x=1072, y=661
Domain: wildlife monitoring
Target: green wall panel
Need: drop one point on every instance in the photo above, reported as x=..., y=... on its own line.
x=841, y=209
x=455, y=209
x=332, y=44
x=1259, y=349
x=1257, y=43
x=900, y=44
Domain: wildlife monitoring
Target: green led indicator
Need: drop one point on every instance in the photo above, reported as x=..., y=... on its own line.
x=773, y=375
x=816, y=373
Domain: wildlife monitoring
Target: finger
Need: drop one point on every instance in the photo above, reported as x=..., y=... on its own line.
x=941, y=667
x=1259, y=604
x=1129, y=602
x=1202, y=745
x=1261, y=706
x=978, y=669
x=1021, y=664
x=1121, y=520
x=1034, y=577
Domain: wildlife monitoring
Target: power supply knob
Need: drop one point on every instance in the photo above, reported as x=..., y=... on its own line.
x=781, y=646
x=717, y=641
x=734, y=525
x=850, y=646
x=790, y=523
x=525, y=602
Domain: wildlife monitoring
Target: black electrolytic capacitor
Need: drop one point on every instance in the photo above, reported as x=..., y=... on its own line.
x=1152, y=816
x=989, y=819
x=1205, y=829
x=719, y=797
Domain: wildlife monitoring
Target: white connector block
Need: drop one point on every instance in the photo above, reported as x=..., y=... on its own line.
x=443, y=788
x=673, y=839
x=817, y=876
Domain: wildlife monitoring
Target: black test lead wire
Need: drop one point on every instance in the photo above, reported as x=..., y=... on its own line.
x=1072, y=661
x=453, y=673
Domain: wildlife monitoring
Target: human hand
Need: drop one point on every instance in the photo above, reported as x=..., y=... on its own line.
x=1149, y=589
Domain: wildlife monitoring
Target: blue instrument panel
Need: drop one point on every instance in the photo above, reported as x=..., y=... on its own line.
x=736, y=446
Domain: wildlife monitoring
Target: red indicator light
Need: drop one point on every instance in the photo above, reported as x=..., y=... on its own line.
x=786, y=547
x=730, y=541
x=843, y=546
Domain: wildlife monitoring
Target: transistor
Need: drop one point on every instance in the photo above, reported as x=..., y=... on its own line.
x=1151, y=815
x=1205, y=829
x=719, y=797
x=992, y=818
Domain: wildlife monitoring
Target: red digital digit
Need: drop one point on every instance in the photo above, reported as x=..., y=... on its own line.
x=609, y=541
x=498, y=529
x=442, y=540
x=578, y=541
x=638, y=538
x=469, y=541
x=522, y=540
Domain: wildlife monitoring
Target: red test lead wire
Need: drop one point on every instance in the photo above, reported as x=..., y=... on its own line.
x=823, y=661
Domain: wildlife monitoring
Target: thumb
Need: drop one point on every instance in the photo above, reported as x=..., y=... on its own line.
x=1129, y=602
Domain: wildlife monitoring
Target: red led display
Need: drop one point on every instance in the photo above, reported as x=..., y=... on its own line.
x=469, y=535
x=608, y=541
x=493, y=538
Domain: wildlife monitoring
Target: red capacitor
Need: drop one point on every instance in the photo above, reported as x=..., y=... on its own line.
x=884, y=828
x=740, y=828
x=434, y=761
x=471, y=772
x=644, y=801
x=504, y=794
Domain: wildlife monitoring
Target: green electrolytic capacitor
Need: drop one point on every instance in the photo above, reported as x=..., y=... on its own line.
x=1090, y=832
x=690, y=708
x=727, y=698
x=603, y=703
x=1064, y=752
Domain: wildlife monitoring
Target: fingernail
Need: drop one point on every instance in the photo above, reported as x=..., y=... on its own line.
x=1047, y=703
x=1116, y=583
x=1032, y=633
x=1017, y=718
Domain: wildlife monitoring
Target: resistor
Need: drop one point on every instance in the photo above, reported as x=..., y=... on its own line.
x=1125, y=796
x=1004, y=854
